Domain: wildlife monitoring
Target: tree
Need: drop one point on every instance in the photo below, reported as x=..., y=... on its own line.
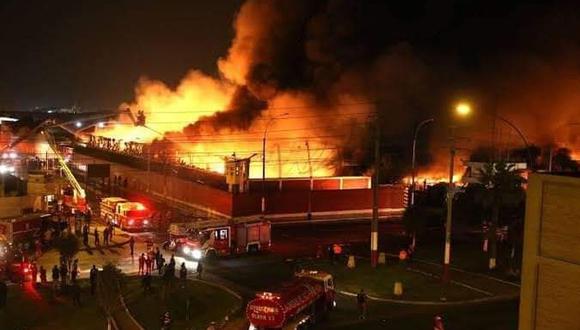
x=503, y=187
x=68, y=246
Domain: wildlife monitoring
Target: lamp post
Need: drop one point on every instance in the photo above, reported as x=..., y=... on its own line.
x=413, y=157
x=521, y=135
x=463, y=110
x=272, y=119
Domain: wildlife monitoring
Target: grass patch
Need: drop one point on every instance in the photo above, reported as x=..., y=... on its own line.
x=36, y=308
x=206, y=304
x=496, y=316
x=379, y=282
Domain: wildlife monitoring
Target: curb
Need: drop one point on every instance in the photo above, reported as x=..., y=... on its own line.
x=435, y=303
x=229, y=315
x=122, y=299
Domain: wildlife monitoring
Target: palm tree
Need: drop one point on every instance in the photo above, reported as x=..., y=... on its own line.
x=503, y=188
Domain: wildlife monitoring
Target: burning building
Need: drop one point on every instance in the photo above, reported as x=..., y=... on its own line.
x=302, y=78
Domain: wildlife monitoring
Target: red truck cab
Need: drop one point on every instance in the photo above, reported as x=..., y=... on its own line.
x=295, y=304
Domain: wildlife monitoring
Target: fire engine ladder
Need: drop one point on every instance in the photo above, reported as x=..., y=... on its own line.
x=78, y=190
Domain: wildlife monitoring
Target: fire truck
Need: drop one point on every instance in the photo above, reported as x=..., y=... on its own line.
x=192, y=242
x=125, y=214
x=296, y=305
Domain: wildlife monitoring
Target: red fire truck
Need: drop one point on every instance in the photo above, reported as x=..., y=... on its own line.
x=20, y=229
x=126, y=214
x=194, y=243
x=296, y=305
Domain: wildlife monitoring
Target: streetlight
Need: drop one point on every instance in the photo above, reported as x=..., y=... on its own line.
x=272, y=119
x=413, y=171
x=462, y=110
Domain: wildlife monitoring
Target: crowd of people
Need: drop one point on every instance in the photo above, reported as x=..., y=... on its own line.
x=107, y=234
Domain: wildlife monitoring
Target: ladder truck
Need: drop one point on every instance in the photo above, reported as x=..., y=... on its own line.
x=75, y=198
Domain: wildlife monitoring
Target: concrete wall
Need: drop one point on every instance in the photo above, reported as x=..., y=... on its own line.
x=14, y=206
x=550, y=292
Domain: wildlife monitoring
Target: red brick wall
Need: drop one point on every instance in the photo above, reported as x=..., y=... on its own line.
x=322, y=201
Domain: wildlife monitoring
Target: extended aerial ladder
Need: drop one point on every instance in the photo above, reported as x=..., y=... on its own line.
x=79, y=194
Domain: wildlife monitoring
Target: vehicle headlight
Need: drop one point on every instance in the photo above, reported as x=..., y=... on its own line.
x=186, y=250
x=145, y=222
x=334, y=303
x=196, y=254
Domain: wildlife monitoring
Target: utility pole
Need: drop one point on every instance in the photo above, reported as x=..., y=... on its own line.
x=263, y=207
x=148, y=169
x=450, y=195
x=309, y=215
x=375, y=186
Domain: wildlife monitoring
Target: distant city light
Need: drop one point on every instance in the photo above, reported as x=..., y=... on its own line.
x=78, y=124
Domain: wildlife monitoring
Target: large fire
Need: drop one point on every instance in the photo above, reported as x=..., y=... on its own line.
x=289, y=78
x=300, y=136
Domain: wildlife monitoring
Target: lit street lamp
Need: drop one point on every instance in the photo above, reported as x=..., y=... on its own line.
x=272, y=119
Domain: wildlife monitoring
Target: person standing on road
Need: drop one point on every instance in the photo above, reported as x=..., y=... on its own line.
x=199, y=270
x=106, y=236
x=183, y=275
x=132, y=245
x=63, y=274
x=361, y=300
x=148, y=264
x=55, y=277
x=157, y=257
x=96, y=233
x=34, y=273
x=141, y=264
x=93, y=279
x=160, y=264
x=85, y=234
x=42, y=275
x=75, y=271
x=172, y=261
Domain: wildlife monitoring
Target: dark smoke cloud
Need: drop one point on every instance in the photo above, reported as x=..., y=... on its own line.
x=414, y=61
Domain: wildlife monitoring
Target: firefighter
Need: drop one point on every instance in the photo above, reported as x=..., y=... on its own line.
x=199, y=270
x=183, y=274
x=55, y=277
x=141, y=263
x=361, y=300
x=132, y=245
x=337, y=251
x=96, y=233
x=148, y=262
x=63, y=274
x=438, y=323
x=42, y=275
x=34, y=273
x=165, y=321
x=93, y=279
x=75, y=271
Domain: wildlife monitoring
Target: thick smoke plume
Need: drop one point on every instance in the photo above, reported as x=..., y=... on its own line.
x=315, y=71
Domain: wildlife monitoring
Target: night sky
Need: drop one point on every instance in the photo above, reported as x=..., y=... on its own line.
x=91, y=53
